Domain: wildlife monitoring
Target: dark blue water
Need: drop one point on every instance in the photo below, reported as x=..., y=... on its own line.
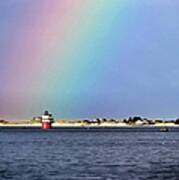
x=56, y=155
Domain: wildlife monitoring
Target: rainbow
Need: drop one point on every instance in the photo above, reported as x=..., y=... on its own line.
x=57, y=54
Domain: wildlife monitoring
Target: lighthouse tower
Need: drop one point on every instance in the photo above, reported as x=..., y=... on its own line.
x=47, y=120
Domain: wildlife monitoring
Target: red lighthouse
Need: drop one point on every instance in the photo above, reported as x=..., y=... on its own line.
x=47, y=120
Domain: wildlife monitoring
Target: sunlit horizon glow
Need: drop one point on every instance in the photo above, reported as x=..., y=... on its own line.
x=88, y=58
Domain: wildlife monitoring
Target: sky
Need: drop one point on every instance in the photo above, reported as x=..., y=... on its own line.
x=89, y=58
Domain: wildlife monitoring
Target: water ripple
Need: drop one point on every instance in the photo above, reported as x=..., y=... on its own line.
x=88, y=156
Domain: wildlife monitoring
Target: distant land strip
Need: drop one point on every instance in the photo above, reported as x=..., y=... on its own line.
x=99, y=122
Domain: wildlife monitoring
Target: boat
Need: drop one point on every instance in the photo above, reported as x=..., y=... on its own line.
x=164, y=129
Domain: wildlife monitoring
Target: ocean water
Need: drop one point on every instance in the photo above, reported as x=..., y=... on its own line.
x=88, y=155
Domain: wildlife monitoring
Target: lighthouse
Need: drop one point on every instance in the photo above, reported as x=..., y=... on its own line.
x=47, y=120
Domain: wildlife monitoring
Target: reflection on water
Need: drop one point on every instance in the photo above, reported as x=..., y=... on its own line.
x=39, y=155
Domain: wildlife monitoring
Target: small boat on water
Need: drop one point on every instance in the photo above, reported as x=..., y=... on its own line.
x=164, y=129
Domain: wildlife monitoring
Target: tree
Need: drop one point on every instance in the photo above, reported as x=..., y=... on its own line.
x=177, y=121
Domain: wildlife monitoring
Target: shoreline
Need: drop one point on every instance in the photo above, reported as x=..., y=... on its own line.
x=69, y=125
